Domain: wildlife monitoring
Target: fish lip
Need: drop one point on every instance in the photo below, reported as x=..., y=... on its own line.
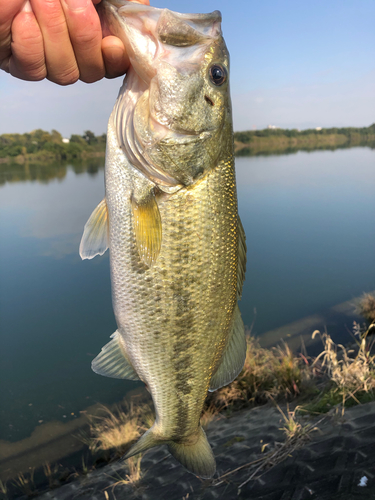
x=187, y=138
x=181, y=135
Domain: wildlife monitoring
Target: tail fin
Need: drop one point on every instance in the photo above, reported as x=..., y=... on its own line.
x=194, y=454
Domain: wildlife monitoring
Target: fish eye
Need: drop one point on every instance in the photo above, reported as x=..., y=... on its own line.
x=218, y=74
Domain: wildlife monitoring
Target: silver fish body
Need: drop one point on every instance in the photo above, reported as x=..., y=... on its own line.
x=169, y=218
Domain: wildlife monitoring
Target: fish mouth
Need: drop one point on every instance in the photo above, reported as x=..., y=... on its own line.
x=172, y=135
x=186, y=138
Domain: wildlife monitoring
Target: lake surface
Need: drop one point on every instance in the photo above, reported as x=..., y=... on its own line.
x=309, y=220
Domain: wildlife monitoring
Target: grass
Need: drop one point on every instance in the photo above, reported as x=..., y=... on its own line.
x=296, y=434
x=3, y=489
x=25, y=483
x=268, y=373
x=350, y=373
x=134, y=475
x=366, y=307
x=116, y=430
x=209, y=415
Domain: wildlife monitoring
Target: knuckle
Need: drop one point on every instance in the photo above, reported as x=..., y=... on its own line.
x=87, y=38
x=37, y=74
x=56, y=27
x=65, y=78
x=54, y=19
x=36, y=70
x=29, y=37
x=93, y=77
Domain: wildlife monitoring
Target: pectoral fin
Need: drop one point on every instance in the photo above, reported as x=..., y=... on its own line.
x=112, y=361
x=95, y=235
x=147, y=228
x=233, y=357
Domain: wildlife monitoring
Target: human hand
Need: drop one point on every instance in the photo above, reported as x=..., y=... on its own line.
x=58, y=39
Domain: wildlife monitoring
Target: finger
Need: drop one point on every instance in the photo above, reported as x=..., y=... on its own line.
x=86, y=37
x=61, y=63
x=115, y=57
x=27, y=60
x=8, y=9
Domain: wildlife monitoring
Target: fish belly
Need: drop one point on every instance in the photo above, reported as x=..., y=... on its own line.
x=175, y=316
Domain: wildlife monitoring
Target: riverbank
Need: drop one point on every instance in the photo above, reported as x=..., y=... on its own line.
x=41, y=147
x=46, y=157
x=282, y=141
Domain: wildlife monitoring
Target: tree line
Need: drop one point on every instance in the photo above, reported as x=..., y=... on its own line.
x=41, y=144
x=247, y=136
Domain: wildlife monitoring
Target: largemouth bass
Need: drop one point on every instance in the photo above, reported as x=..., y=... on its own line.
x=170, y=221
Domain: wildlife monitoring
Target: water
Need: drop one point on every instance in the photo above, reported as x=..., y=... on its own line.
x=309, y=224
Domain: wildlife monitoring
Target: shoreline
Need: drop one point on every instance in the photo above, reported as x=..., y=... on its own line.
x=46, y=158
x=267, y=146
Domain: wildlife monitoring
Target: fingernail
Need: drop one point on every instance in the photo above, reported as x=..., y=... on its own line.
x=27, y=7
x=77, y=4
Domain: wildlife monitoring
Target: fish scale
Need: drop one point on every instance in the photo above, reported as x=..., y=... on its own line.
x=169, y=218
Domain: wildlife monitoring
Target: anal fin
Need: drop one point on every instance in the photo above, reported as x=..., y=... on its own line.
x=233, y=357
x=112, y=361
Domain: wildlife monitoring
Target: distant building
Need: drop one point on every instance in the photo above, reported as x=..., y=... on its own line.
x=65, y=140
x=273, y=127
x=318, y=128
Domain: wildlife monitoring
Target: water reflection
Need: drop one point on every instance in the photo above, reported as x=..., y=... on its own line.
x=259, y=151
x=310, y=232
x=45, y=172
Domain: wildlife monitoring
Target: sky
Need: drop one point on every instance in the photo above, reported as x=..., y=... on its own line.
x=294, y=64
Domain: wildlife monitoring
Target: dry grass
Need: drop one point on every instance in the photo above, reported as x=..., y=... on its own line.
x=209, y=415
x=50, y=473
x=25, y=483
x=134, y=476
x=296, y=436
x=116, y=430
x=293, y=429
x=3, y=489
x=267, y=373
x=366, y=307
x=351, y=372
